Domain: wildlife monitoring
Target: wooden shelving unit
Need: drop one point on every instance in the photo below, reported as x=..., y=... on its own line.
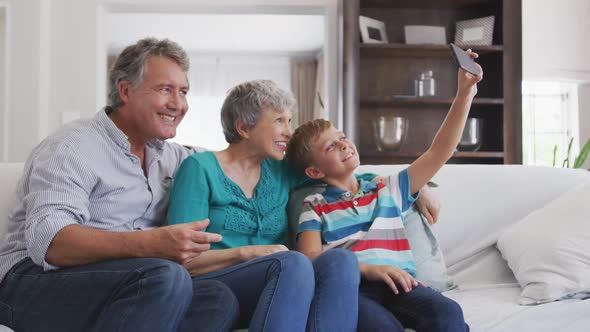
x=394, y=101
x=403, y=50
x=379, y=78
x=460, y=154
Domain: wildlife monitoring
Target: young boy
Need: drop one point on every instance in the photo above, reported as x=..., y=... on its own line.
x=365, y=217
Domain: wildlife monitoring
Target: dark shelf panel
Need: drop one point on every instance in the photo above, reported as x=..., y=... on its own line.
x=435, y=4
x=423, y=101
x=478, y=154
x=461, y=154
x=405, y=50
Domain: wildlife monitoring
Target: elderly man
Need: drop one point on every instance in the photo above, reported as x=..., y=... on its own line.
x=85, y=250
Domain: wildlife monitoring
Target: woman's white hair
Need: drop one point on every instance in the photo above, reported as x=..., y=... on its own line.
x=246, y=102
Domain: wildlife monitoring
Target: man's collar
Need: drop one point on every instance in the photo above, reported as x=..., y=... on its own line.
x=118, y=136
x=156, y=143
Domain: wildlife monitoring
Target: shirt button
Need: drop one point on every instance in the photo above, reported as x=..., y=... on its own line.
x=355, y=203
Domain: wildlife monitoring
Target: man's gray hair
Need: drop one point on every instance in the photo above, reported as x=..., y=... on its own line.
x=246, y=102
x=130, y=65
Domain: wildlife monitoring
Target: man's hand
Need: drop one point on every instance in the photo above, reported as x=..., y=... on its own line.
x=250, y=252
x=390, y=275
x=428, y=204
x=182, y=243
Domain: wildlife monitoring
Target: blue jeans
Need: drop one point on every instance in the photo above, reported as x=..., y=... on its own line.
x=145, y=294
x=337, y=279
x=275, y=292
x=421, y=309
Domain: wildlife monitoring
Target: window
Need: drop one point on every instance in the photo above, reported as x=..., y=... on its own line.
x=210, y=79
x=550, y=118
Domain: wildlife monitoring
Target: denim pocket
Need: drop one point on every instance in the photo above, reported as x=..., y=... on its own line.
x=5, y=314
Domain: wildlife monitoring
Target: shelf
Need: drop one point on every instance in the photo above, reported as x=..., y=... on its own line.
x=433, y=4
x=405, y=50
x=423, y=101
x=461, y=154
x=478, y=154
x=382, y=77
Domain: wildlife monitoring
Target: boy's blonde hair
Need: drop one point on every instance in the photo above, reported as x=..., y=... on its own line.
x=299, y=147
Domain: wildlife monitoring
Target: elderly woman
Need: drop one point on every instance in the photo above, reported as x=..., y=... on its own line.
x=243, y=191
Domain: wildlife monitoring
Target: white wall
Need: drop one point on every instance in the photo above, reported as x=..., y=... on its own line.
x=556, y=46
x=24, y=92
x=58, y=58
x=75, y=55
x=555, y=39
x=2, y=77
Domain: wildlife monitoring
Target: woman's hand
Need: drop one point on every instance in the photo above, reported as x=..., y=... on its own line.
x=467, y=82
x=428, y=204
x=215, y=260
x=250, y=252
x=392, y=276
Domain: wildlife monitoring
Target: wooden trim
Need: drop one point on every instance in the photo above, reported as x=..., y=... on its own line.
x=512, y=58
x=460, y=154
x=423, y=101
x=405, y=50
x=435, y=4
x=350, y=64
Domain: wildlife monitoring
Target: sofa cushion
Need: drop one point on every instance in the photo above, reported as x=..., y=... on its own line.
x=430, y=263
x=549, y=250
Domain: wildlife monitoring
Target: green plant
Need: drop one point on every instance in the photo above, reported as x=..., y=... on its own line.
x=578, y=161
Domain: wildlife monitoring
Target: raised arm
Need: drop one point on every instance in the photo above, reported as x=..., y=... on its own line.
x=449, y=134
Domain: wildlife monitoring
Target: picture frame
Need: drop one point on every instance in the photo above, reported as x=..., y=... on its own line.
x=372, y=31
x=475, y=32
x=425, y=34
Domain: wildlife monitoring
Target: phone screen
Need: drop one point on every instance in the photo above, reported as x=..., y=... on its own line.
x=464, y=60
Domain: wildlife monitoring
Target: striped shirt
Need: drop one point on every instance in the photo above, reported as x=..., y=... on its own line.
x=85, y=174
x=369, y=223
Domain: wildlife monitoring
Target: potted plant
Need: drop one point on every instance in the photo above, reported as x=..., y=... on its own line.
x=578, y=161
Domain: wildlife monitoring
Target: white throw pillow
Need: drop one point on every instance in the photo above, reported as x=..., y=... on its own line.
x=549, y=250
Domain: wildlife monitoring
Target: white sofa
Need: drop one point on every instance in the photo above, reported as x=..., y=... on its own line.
x=478, y=203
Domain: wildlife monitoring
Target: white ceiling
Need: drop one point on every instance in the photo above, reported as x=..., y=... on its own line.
x=220, y=33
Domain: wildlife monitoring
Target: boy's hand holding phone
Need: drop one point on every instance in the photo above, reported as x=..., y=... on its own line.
x=469, y=74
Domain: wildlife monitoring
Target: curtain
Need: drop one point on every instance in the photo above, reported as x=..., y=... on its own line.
x=304, y=72
x=210, y=77
x=319, y=110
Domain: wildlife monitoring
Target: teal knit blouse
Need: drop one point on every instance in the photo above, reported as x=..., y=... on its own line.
x=201, y=190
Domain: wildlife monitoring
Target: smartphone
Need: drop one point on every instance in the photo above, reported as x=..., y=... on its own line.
x=464, y=60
